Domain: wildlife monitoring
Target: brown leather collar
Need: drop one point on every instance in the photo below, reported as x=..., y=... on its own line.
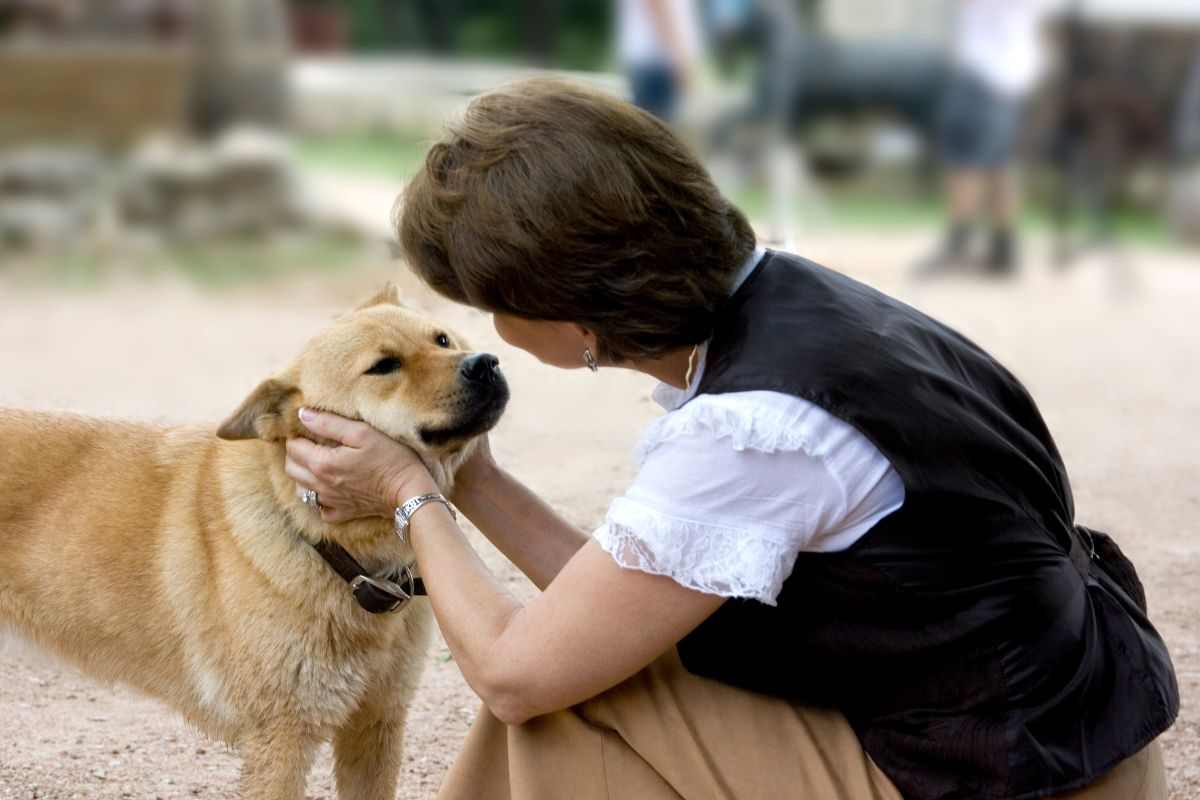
x=375, y=595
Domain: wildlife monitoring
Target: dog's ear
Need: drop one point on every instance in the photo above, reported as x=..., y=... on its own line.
x=269, y=413
x=389, y=295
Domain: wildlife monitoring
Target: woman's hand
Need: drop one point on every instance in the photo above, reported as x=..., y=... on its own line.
x=366, y=476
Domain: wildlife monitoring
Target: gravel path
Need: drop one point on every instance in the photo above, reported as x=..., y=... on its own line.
x=1116, y=377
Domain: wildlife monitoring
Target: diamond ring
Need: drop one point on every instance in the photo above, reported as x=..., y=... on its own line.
x=309, y=498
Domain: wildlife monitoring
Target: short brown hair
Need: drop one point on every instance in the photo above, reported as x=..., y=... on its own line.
x=553, y=201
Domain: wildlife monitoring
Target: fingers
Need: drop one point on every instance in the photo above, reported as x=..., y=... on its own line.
x=306, y=454
x=294, y=466
x=301, y=454
x=323, y=464
x=300, y=474
x=353, y=480
x=338, y=428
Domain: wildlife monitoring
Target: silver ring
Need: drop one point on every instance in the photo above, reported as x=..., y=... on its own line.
x=309, y=498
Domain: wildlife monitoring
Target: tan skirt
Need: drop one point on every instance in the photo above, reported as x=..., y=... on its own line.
x=666, y=733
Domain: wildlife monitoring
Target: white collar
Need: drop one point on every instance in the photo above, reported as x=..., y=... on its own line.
x=671, y=398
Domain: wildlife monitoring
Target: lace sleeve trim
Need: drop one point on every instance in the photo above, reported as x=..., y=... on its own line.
x=714, y=559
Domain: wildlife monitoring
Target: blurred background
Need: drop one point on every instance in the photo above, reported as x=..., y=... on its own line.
x=190, y=188
x=163, y=126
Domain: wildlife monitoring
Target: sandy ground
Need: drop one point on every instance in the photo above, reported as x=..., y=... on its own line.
x=1115, y=372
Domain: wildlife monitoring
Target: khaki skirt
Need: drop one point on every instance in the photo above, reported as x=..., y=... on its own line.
x=668, y=734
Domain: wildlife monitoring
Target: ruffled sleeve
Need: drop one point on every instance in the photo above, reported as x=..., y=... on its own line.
x=731, y=488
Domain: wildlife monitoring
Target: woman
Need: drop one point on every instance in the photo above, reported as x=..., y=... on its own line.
x=847, y=567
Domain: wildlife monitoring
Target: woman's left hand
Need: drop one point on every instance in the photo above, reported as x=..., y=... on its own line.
x=364, y=476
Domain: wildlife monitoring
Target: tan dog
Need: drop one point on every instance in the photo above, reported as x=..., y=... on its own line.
x=185, y=566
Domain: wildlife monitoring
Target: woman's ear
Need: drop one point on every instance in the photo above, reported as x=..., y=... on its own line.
x=589, y=338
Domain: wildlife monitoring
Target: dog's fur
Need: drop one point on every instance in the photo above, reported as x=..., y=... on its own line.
x=181, y=563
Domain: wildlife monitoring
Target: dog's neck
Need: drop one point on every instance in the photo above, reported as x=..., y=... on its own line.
x=264, y=487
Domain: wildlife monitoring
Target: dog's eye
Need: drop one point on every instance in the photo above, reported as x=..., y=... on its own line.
x=384, y=366
x=442, y=340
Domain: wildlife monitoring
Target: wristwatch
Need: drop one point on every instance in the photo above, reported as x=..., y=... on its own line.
x=404, y=513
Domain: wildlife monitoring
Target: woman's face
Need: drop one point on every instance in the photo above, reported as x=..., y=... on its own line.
x=559, y=344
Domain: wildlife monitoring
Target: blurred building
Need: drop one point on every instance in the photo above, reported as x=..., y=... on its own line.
x=109, y=71
x=134, y=116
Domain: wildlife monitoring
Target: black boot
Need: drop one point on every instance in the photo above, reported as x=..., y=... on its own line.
x=950, y=257
x=1002, y=253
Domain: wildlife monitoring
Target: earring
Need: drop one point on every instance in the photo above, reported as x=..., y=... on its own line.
x=590, y=360
x=687, y=379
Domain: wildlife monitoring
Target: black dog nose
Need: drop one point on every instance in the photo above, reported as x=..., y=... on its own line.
x=480, y=368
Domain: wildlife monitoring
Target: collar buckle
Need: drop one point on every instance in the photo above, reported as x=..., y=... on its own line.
x=374, y=594
x=381, y=595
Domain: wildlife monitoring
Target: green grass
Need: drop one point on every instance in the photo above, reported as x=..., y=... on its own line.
x=854, y=210
x=866, y=206
x=213, y=265
x=233, y=263
x=862, y=210
x=1143, y=227
x=380, y=154
x=222, y=264
x=397, y=155
x=872, y=204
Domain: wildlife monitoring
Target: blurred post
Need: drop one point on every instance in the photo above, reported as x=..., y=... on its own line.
x=543, y=20
x=788, y=176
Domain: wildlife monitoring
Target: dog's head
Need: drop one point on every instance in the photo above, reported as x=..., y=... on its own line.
x=412, y=379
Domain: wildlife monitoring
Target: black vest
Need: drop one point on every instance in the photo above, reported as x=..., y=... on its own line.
x=980, y=644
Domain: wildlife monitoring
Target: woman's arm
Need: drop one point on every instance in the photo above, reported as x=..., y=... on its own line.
x=519, y=523
x=594, y=626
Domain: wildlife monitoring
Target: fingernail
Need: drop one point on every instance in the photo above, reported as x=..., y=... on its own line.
x=306, y=414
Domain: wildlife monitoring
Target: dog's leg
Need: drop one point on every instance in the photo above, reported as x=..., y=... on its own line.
x=367, y=752
x=276, y=762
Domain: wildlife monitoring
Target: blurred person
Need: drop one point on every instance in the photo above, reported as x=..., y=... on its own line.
x=658, y=46
x=998, y=61
x=1184, y=202
x=1110, y=119
x=1186, y=139
x=848, y=565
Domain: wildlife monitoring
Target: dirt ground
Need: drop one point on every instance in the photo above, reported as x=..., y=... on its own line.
x=1115, y=371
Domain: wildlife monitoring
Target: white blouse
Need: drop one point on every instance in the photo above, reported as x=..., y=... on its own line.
x=732, y=487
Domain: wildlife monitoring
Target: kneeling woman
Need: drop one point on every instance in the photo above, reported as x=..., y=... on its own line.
x=848, y=565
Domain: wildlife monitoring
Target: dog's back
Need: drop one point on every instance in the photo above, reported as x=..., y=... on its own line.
x=54, y=467
x=80, y=503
